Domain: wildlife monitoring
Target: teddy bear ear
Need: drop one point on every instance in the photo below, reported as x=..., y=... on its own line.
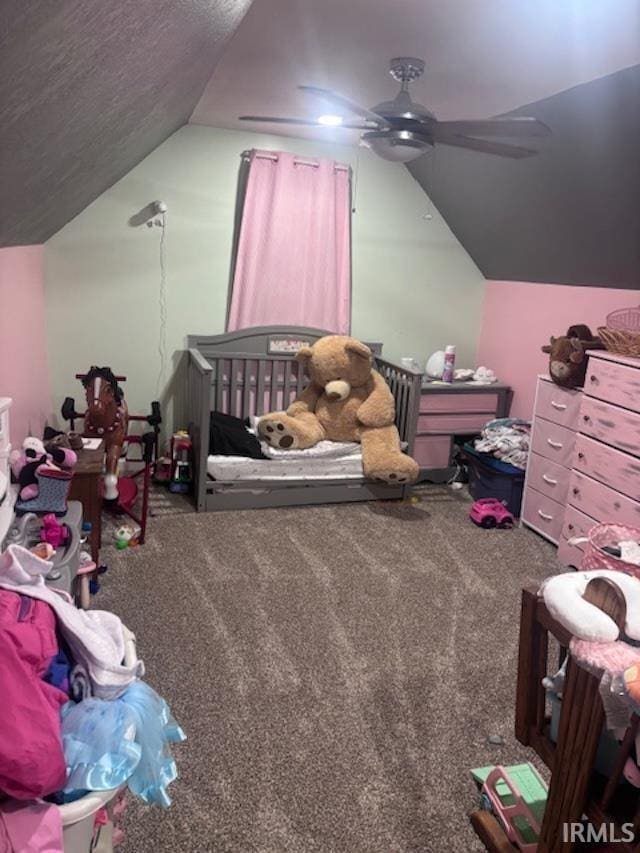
x=303, y=352
x=546, y=348
x=358, y=348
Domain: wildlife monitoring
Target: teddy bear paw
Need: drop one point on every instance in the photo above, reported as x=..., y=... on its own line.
x=403, y=471
x=277, y=432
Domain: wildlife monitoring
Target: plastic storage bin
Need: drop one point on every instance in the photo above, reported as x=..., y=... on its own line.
x=491, y=478
x=78, y=818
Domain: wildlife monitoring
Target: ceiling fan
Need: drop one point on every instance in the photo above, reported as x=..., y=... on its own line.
x=401, y=129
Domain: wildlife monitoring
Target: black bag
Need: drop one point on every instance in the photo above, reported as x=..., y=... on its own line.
x=228, y=436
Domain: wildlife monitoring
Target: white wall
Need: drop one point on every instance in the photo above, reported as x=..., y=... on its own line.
x=414, y=287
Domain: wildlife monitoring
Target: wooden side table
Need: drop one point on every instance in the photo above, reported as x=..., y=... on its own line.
x=85, y=487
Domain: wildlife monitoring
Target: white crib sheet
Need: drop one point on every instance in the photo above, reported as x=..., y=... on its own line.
x=296, y=467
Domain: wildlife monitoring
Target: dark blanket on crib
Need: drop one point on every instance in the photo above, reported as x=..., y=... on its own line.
x=228, y=436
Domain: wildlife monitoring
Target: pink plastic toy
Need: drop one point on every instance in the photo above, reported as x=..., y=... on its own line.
x=53, y=532
x=490, y=512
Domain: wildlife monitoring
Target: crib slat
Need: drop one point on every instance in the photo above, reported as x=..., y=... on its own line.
x=246, y=396
x=233, y=389
x=273, y=396
x=286, y=393
x=260, y=388
x=220, y=363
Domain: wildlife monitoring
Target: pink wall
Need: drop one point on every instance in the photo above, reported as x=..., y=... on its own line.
x=24, y=370
x=519, y=317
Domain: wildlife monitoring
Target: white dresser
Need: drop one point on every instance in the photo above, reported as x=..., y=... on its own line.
x=7, y=493
x=553, y=437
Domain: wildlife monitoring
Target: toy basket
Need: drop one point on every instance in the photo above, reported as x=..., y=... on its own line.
x=602, y=535
x=622, y=332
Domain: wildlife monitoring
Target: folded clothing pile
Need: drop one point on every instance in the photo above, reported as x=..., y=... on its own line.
x=74, y=716
x=507, y=439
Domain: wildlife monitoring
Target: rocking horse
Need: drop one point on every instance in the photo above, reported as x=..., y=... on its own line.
x=107, y=417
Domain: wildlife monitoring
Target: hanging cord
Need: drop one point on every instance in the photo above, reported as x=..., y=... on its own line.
x=354, y=183
x=162, y=336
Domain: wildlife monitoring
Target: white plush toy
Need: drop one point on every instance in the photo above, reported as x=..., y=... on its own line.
x=563, y=595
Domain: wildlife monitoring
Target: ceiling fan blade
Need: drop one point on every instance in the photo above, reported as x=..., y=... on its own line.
x=303, y=121
x=517, y=126
x=346, y=103
x=486, y=147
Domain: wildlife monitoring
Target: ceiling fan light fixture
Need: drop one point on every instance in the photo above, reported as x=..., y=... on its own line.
x=330, y=120
x=398, y=146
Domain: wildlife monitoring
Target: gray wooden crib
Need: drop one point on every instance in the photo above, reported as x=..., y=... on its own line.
x=254, y=371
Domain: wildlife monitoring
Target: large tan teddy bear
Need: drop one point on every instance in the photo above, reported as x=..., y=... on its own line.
x=347, y=400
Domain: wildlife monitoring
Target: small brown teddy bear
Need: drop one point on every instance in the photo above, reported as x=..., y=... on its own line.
x=347, y=400
x=567, y=359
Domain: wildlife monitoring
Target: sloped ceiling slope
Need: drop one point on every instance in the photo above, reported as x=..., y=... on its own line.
x=569, y=215
x=88, y=88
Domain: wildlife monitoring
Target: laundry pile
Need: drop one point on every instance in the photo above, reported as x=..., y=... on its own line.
x=507, y=439
x=75, y=716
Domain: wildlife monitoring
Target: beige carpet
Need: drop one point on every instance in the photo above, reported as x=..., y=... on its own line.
x=337, y=669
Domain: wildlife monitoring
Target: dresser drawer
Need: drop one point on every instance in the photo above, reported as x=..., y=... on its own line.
x=434, y=402
x=607, y=465
x=615, y=383
x=601, y=502
x=568, y=554
x=556, y=404
x=543, y=513
x=548, y=477
x=576, y=523
x=432, y=451
x=616, y=426
x=553, y=441
x=451, y=424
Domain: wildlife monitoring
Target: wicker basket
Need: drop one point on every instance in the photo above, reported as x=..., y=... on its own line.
x=622, y=332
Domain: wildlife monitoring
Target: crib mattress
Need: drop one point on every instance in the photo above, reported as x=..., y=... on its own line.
x=232, y=468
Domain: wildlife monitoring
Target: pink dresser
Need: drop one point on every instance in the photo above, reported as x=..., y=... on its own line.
x=553, y=438
x=458, y=409
x=605, y=475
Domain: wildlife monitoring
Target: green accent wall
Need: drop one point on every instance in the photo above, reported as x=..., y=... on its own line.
x=414, y=287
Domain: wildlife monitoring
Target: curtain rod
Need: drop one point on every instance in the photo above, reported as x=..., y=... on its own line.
x=246, y=155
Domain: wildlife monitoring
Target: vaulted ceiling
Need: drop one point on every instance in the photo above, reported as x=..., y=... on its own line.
x=87, y=89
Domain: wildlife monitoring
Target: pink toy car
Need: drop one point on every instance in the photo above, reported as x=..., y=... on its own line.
x=490, y=512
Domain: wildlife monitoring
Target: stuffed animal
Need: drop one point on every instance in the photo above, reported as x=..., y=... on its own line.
x=347, y=400
x=567, y=359
x=25, y=463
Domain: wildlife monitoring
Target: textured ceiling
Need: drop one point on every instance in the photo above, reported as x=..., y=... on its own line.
x=570, y=215
x=87, y=89
x=483, y=57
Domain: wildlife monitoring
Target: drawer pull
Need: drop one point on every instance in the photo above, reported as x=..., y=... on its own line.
x=561, y=406
x=545, y=515
x=576, y=490
x=569, y=526
x=580, y=455
x=593, y=378
x=553, y=443
x=549, y=480
x=586, y=418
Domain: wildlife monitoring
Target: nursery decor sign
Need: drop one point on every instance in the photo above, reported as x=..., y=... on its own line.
x=286, y=346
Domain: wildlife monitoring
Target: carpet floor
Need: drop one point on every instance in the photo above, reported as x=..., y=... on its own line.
x=337, y=670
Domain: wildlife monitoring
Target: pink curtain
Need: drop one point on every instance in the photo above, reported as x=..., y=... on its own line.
x=293, y=264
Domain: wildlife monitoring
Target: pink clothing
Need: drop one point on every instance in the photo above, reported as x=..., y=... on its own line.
x=30, y=828
x=31, y=758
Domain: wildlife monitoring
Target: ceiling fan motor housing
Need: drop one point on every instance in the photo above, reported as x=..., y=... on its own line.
x=404, y=69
